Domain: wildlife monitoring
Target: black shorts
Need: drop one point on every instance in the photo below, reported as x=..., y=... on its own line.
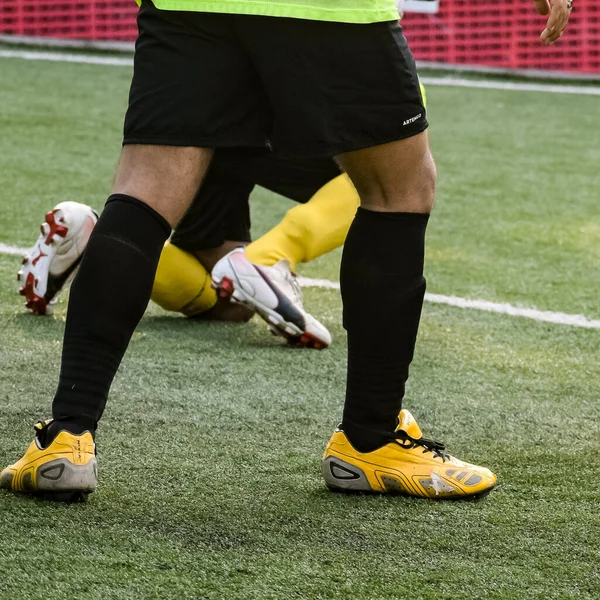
x=221, y=209
x=308, y=88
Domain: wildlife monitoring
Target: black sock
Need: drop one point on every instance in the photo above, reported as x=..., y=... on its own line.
x=108, y=298
x=382, y=289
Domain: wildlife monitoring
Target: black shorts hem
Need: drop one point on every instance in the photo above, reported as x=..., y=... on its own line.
x=335, y=150
x=191, y=142
x=328, y=152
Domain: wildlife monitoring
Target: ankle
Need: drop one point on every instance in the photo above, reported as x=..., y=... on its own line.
x=75, y=427
x=364, y=439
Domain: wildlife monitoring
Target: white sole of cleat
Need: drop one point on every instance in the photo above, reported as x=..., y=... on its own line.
x=53, y=231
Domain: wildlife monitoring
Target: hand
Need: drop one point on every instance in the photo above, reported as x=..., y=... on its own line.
x=559, y=11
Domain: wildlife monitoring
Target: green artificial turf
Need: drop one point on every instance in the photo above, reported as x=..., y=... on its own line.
x=209, y=450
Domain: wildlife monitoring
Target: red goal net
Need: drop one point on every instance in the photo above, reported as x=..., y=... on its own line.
x=503, y=33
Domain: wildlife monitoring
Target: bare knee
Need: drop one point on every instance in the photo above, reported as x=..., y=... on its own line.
x=396, y=177
x=166, y=178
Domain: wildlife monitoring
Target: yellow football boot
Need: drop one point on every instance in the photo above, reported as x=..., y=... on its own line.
x=410, y=465
x=65, y=470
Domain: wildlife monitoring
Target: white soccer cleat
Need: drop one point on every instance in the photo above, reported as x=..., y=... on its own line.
x=53, y=261
x=275, y=295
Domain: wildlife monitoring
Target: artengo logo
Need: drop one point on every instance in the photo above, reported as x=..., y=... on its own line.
x=409, y=121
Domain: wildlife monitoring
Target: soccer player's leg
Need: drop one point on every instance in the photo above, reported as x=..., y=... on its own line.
x=309, y=230
x=170, y=125
x=122, y=254
x=377, y=447
x=182, y=284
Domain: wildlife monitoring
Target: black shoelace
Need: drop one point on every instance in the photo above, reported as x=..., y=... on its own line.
x=406, y=441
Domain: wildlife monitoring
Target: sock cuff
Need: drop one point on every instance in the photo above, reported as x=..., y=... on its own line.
x=376, y=215
x=164, y=224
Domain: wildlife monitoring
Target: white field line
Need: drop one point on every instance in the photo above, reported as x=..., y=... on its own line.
x=520, y=86
x=67, y=58
x=5, y=249
x=444, y=81
x=494, y=307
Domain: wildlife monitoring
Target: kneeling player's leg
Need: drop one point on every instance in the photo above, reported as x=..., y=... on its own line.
x=182, y=283
x=309, y=230
x=217, y=222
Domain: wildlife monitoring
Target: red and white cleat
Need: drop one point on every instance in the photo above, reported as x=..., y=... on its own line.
x=275, y=295
x=52, y=262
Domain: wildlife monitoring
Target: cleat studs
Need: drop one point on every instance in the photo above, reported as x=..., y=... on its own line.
x=52, y=227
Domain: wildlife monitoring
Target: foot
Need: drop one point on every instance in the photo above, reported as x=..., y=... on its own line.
x=226, y=311
x=409, y=465
x=274, y=293
x=53, y=261
x=64, y=469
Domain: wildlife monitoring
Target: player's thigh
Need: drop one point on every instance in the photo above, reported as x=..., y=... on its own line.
x=335, y=87
x=398, y=177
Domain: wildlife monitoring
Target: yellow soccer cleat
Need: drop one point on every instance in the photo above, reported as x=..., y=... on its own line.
x=410, y=465
x=64, y=470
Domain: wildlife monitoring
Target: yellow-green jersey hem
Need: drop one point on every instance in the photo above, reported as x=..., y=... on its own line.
x=292, y=11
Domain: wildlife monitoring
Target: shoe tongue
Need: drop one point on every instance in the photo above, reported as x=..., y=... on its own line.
x=407, y=423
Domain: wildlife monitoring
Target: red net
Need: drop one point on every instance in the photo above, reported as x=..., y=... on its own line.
x=504, y=33
x=70, y=19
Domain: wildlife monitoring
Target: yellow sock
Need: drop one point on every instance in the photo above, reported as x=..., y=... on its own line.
x=309, y=230
x=182, y=284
